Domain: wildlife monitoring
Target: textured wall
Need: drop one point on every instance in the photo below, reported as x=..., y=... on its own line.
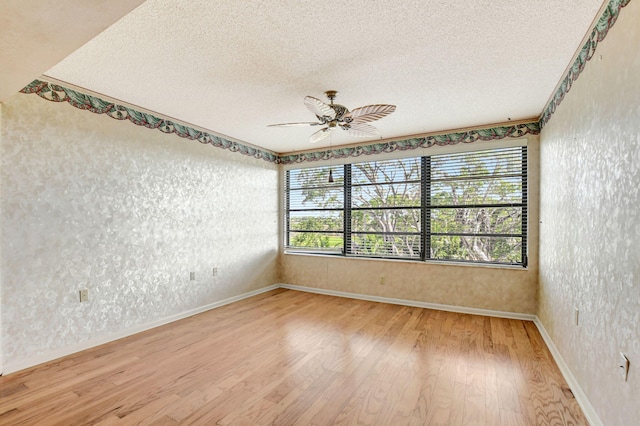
x=590, y=213
x=127, y=212
x=2, y=361
x=484, y=287
x=511, y=290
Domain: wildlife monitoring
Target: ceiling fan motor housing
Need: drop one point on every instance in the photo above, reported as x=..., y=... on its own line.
x=340, y=110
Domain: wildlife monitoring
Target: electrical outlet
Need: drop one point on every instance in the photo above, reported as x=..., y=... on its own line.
x=192, y=276
x=382, y=280
x=576, y=316
x=84, y=295
x=624, y=366
x=215, y=271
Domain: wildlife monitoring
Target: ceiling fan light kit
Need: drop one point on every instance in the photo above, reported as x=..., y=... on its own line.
x=334, y=115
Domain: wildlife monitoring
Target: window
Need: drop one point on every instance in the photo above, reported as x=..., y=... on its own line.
x=469, y=207
x=385, y=209
x=477, y=206
x=315, y=209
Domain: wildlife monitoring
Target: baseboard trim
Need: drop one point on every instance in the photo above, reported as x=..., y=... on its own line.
x=578, y=393
x=88, y=344
x=414, y=303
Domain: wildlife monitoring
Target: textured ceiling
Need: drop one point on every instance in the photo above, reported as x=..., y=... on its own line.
x=36, y=34
x=233, y=67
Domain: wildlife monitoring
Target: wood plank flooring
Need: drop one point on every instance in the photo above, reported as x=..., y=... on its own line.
x=294, y=358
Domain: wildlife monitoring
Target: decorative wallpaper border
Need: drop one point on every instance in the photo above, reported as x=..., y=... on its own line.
x=599, y=32
x=471, y=136
x=56, y=93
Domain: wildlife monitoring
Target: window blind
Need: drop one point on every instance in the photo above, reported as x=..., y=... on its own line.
x=469, y=207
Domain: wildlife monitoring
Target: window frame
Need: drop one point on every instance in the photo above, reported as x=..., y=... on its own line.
x=288, y=210
x=425, y=211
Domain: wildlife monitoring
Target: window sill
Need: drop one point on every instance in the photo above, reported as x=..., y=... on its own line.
x=414, y=261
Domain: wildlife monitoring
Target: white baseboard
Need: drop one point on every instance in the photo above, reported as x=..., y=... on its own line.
x=414, y=303
x=12, y=367
x=578, y=393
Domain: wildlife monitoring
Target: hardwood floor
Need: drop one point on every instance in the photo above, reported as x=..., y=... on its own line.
x=294, y=358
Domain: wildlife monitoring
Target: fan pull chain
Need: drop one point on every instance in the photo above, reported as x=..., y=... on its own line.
x=330, y=155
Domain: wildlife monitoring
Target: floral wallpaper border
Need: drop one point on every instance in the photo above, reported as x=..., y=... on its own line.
x=471, y=136
x=599, y=32
x=56, y=93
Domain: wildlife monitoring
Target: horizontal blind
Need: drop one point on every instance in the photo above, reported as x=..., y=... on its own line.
x=469, y=206
x=477, y=206
x=315, y=209
x=385, y=208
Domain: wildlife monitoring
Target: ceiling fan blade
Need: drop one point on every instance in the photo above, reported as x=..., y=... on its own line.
x=319, y=108
x=304, y=123
x=370, y=113
x=360, y=129
x=319, y=135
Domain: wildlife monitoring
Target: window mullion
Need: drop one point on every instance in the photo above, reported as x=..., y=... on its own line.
x=425, y=217
x=287, y=196
x=525, y=191
x=346, y=228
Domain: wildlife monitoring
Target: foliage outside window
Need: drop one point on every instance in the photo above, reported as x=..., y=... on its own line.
x=469, y=207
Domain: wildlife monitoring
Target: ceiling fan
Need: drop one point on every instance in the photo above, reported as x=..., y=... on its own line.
x=335, y=115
